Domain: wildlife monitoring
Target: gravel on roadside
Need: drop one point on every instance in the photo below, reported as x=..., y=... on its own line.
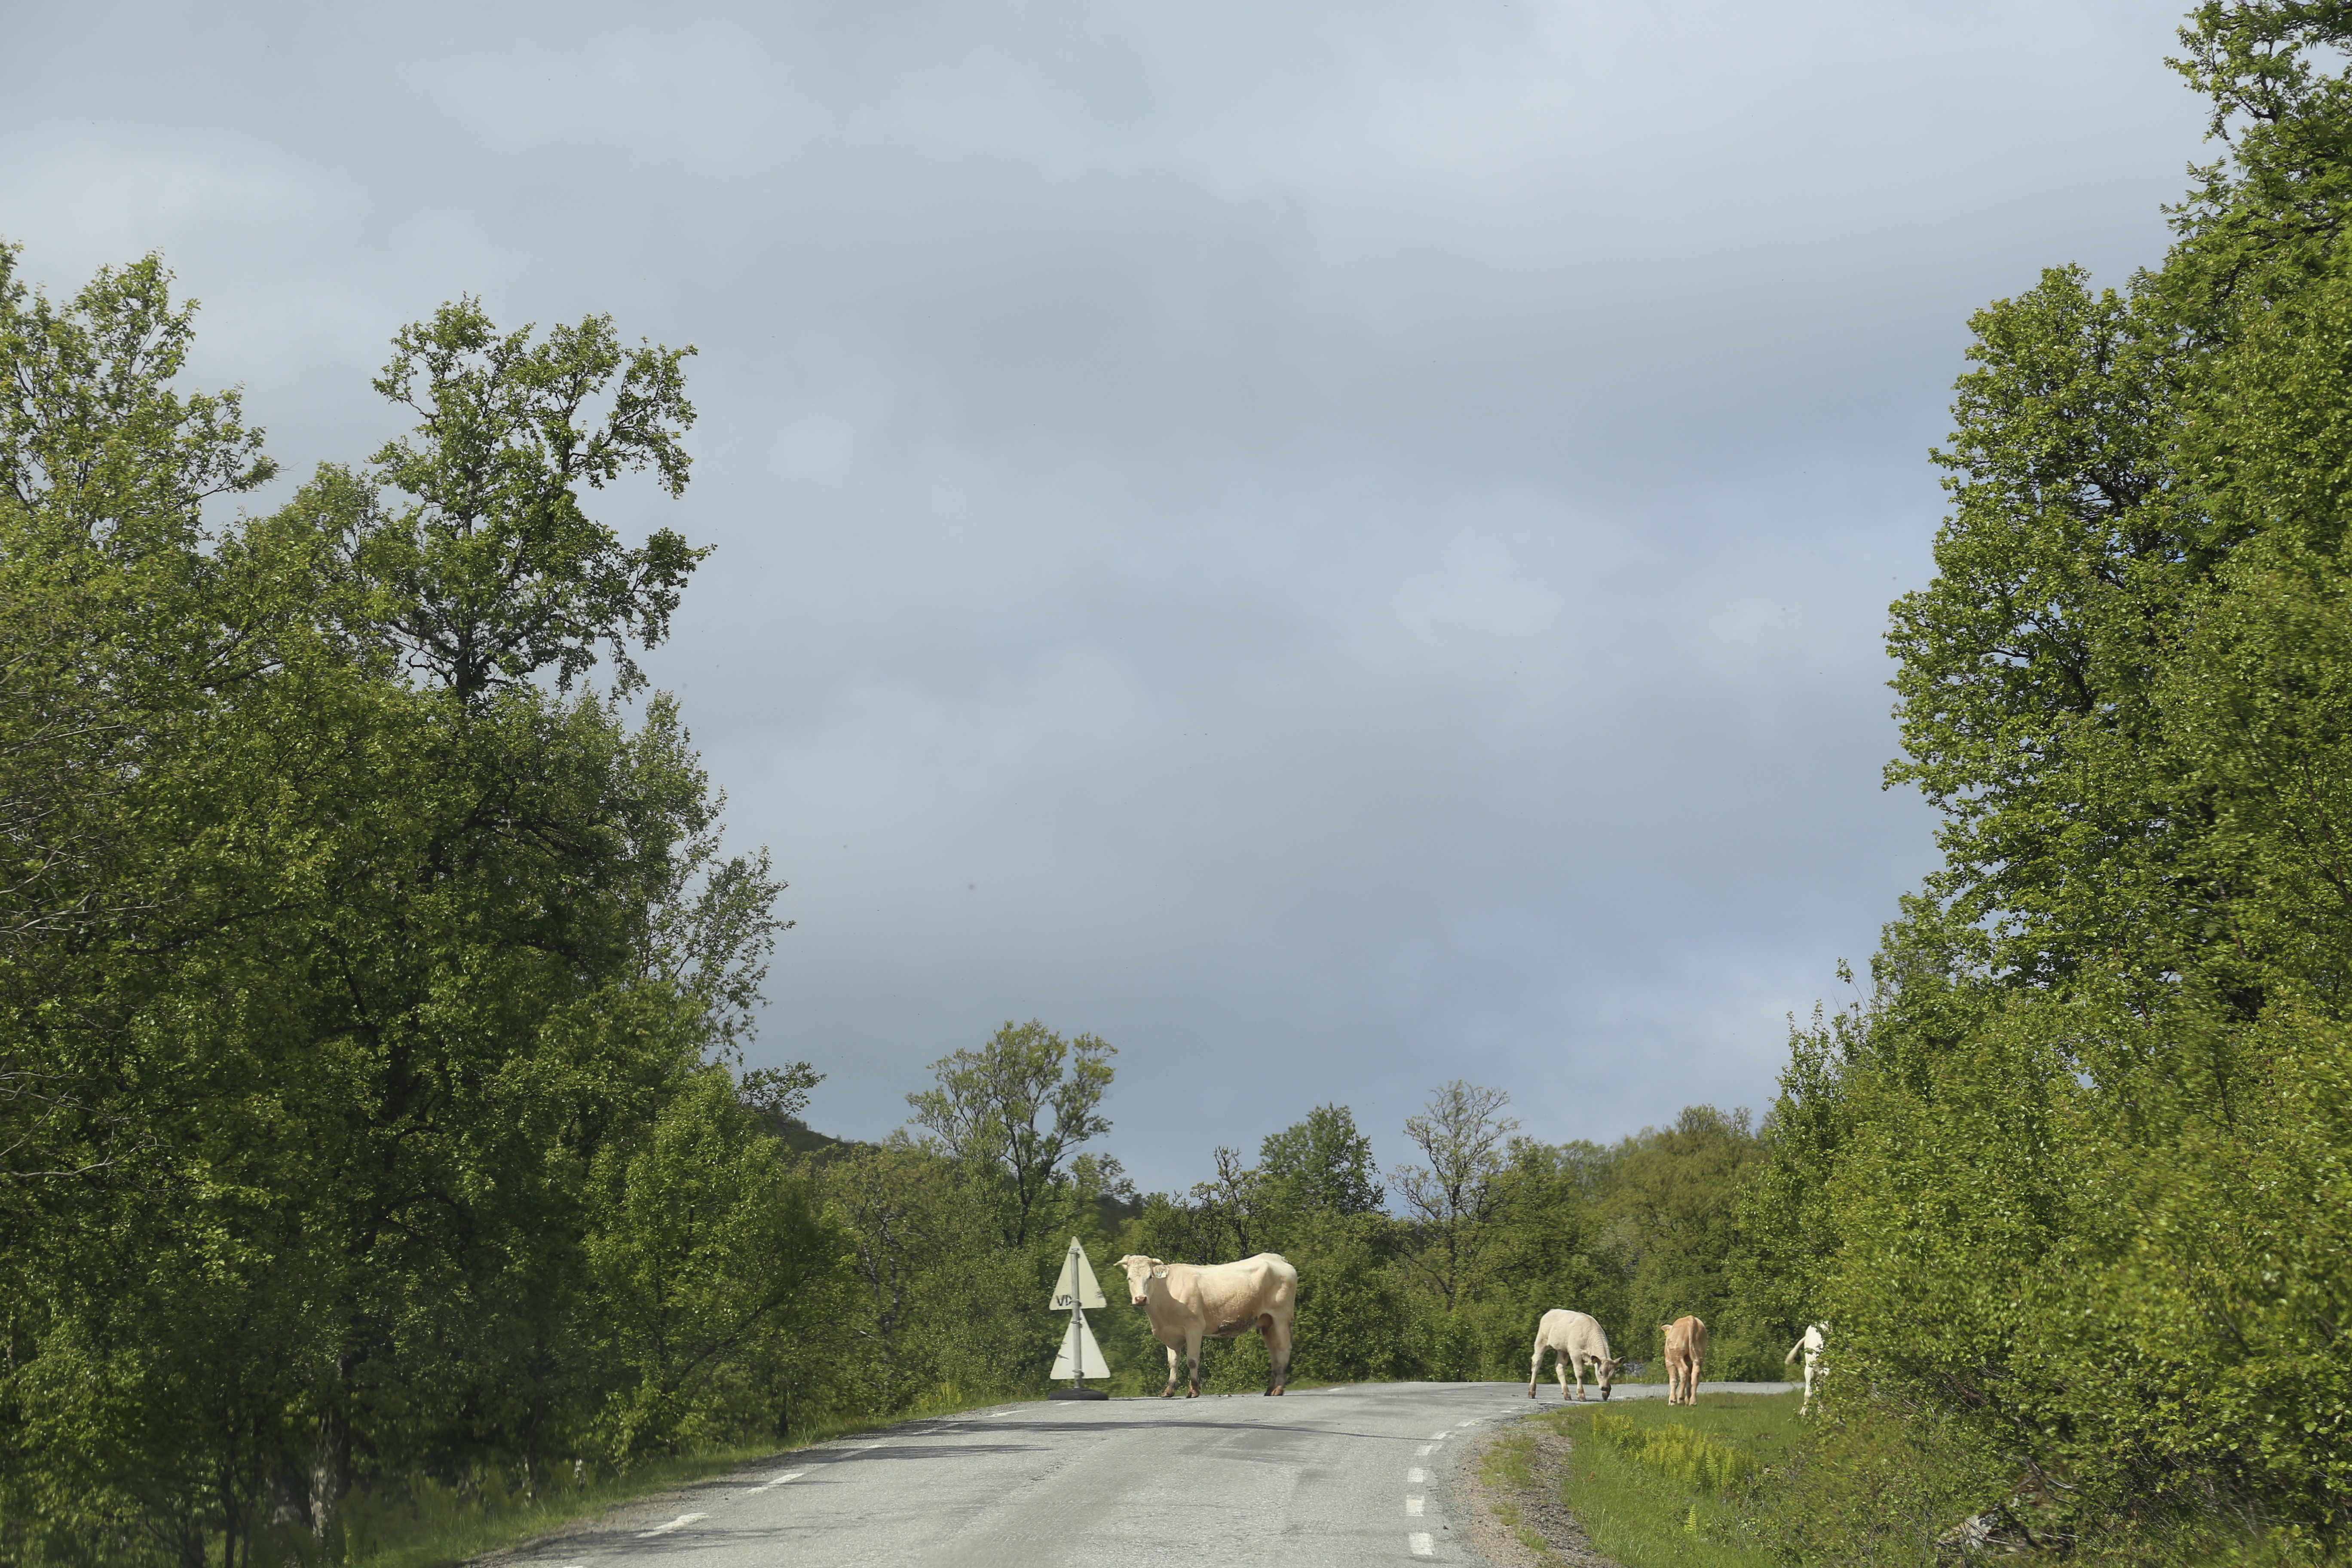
x=1507, y=1500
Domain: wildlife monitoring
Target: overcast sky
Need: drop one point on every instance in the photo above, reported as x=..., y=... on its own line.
x=1335, y=544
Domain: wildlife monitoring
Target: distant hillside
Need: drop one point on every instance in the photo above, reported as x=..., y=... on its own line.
x=799, y=1136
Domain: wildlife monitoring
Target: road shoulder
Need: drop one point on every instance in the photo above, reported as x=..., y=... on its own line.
x=1507, y=1497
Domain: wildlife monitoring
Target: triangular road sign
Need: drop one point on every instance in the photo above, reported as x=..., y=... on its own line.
x=1076, y=1287
x=1079, y=1355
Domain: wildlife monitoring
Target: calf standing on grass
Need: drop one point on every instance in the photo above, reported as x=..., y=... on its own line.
x=1686, y=1352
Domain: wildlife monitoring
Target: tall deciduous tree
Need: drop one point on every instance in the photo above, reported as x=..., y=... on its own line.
x=1457, y=1198
x=1016, y=1111
x=497, y=570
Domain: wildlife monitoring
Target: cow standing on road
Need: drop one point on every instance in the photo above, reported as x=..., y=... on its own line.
x=1809, y=1347
x=1188, y=1302
x=1686, y=1352
x=1573, y=1339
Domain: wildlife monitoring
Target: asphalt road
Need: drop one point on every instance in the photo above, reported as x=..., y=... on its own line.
x=1320, y=1478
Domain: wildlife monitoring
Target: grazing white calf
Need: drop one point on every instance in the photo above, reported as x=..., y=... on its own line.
x=1573, y=1339
x=1809, y=1347
x=1686, y=1354
x=1188, y=1302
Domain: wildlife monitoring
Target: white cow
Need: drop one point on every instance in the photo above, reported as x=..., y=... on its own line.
x=1188, y=1302
x=1573, y=1339
x=1809, y=1347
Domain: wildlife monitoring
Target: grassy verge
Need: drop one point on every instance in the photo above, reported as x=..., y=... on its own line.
x=1738, y=1482
x=437, y=1526
x=1655, y=1484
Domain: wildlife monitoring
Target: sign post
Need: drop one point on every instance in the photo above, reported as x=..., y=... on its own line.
x=1080, y=1357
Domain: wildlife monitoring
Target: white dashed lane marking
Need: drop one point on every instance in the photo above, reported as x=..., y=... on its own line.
x=1415, y=1476
x=673, y=1524
x=779, y=1480
x=1423, y=1452
x=1413, y=1505
x=1420, y=1544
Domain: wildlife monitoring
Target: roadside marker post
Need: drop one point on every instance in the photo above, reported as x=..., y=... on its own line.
x=1080, y=1357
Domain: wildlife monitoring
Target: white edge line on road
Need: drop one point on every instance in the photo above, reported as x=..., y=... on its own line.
x=780, y=1480
x=1415, y=1476
x=1419, y=1543
x=1438, y=1436
x=1423, y=1452
x=673, y=1524
x=1413, y=1505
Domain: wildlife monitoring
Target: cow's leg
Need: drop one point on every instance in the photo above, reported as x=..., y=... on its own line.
x=1575, y=1358
x=1193, y=1354
x=1169, y=1391
x=1535, y=1370
x=1276, y=1335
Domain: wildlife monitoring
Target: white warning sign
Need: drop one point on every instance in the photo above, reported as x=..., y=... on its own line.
x=1079, y=1355
x=1076, y=1287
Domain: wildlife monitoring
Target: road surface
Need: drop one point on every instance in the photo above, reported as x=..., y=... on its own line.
x=1320, y=1478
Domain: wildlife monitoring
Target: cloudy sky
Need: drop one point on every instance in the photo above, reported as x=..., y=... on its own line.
x=1336, y=546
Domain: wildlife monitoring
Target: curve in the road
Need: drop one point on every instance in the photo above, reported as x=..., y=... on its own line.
x=1321, y=1479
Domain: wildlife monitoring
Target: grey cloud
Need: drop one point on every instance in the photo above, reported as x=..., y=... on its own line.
x=1336, y=546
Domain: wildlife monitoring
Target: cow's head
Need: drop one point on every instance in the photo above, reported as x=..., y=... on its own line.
x=1607, y=1370
x=1141, y=1272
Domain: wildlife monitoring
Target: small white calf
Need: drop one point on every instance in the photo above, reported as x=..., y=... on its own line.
x=1573, y=1339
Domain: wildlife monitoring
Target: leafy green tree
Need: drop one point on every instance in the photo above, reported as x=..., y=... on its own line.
x=1016, y=1111
x=496, y=571
x=358, y=1034
x=1321, y=1166
x=1455, y=1202
x=937, y=1302
x=2036, y=1171
x=711, y=1262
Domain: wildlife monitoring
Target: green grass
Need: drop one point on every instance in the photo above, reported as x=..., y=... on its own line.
x=1655, y=1484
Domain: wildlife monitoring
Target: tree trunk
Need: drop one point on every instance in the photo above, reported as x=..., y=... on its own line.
x=331, y=1452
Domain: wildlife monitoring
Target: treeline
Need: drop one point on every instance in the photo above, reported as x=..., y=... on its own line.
x=368, y=982
x=1439, y=1267
x=2072, y=1182
x=1437, y=1271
